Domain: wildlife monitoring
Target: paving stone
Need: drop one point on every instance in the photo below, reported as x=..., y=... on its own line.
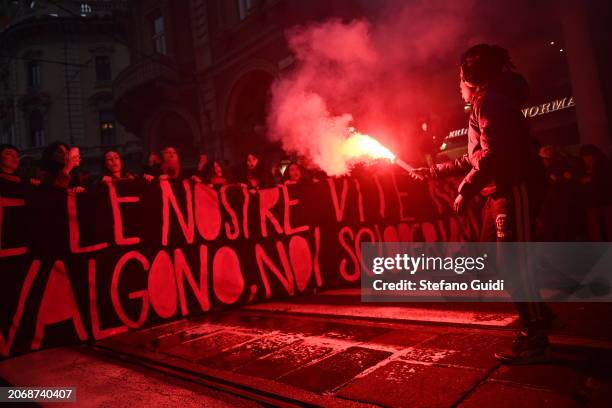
x=305, y=326
x=248, y=320
x=137, y=338
x=553, y=376
x=182, y=324
x=353, y=332
x=241, y=355
x=171, y=339
x=402, y=337
x=286, y=360
x=208, y=346
x=469, y=350
x=427, y=355
x=334, y=370
x=403, y=384
x=499, y=395
x=149, y=338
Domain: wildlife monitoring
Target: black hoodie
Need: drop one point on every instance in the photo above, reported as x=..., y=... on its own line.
x=501, y=152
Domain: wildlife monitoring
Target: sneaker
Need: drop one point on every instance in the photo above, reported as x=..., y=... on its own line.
x=526, y=349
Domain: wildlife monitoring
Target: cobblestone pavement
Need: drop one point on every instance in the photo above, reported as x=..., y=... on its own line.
x=392, y=364
x=331, y=350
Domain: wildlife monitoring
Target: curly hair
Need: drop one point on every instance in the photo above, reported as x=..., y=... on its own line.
x=482, y=62
x=48, y=162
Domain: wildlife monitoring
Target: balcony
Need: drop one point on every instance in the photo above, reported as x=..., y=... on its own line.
x=141, y=76
x=142, y=86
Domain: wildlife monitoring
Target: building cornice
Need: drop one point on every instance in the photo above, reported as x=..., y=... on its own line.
x=43, y=27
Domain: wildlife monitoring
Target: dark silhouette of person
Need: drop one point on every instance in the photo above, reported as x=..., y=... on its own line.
x=503, y=165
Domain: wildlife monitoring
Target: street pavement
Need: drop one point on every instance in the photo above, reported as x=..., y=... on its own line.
x=430, y=356
x=102, y=382
x=331, y=350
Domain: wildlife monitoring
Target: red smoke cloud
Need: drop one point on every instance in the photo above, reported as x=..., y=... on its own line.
x=367, y=74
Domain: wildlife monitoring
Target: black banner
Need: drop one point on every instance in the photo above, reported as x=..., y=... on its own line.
x=123, y=255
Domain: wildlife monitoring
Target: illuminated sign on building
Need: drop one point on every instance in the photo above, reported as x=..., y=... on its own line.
x=531, y=112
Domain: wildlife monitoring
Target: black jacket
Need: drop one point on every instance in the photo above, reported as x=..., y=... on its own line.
x=501, y=152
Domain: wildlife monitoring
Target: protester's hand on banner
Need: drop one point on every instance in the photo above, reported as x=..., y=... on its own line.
x=459, y=204
x=196, y=179
x=250, y=189
x=148, y=177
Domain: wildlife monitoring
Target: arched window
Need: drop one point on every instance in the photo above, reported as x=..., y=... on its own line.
x=37, y=128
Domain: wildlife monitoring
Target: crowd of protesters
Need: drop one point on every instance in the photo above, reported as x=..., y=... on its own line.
x=59, y=167
x=577, y=205
x=578, y=201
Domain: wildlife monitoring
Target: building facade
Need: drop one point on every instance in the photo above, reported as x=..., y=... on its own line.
x=57, y=67
x=201, y=70
x=158, y=96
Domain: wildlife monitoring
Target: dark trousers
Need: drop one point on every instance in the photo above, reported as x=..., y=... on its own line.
x=510, y=216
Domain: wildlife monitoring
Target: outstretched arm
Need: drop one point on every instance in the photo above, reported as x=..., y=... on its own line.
x=449, y=168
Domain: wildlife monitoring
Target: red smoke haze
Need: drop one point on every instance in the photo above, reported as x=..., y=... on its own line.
x=363, y=74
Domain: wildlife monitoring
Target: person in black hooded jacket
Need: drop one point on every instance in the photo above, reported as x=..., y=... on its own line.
x=502, y=164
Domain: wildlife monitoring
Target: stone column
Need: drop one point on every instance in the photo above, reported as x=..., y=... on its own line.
x=593, y=122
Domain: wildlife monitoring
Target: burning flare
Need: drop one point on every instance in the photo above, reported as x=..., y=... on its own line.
x=359, y=147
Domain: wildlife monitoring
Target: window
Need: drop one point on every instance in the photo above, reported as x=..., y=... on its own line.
x=85, y=9
x=244, y=8
x=159, y=35
x=5, y=135
x=5, y=78
x=37, y=129
x=103, y=68
x=8, y=134
x=33, y=74
x=107, y=128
